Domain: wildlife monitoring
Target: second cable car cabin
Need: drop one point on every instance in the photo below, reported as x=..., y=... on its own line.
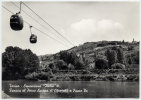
x=33, y=38
x=16, y=22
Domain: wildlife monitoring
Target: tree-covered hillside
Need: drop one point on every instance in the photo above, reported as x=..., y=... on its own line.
x=104, y=60
x=93, y=55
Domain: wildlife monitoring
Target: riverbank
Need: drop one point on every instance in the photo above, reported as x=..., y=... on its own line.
x=120, y=77
x=88, y=77
x=85, y=75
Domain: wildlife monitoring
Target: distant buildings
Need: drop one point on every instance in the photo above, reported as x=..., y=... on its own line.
x=134, y=42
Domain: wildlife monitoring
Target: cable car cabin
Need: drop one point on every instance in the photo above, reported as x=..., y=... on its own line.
x=33, y=38
x=16, y=22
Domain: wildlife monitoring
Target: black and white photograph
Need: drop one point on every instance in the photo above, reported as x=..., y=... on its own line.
x=70, y=49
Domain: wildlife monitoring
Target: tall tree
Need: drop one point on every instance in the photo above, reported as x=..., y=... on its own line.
x=120, y=55
x=17, y=62
x=111, y=57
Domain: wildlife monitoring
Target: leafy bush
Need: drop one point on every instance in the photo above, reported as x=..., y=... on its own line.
x=44, y=76
x=70, y=66
x=132, y=58
x=32, y=76
x=133, y=66
x=61, y=65
x=39, y=76
x=118, y=66
x=101, y=64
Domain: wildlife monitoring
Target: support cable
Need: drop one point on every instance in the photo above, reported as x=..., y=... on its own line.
x=34, y=19
x=48, y=24
x=37, y=28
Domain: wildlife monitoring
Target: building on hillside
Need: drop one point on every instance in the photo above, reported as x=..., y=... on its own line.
x=134, y=42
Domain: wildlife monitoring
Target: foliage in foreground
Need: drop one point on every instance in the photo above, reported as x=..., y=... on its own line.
x=16, y=63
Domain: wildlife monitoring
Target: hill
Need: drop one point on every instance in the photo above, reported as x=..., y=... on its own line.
x=90, y=51
x=103, y=60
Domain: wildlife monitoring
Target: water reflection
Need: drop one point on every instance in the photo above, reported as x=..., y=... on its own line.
x=96, y=89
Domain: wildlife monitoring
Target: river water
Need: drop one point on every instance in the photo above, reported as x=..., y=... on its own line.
x=93, y=89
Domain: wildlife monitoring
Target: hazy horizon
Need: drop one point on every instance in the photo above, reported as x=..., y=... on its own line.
x=72, y=47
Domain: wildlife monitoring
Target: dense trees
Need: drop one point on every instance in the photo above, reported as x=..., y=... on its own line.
x=16, y=63
x=115, y=55
x=101, y=63
x=72, y=58
x=111, y=57
x=132, y=59
x=61, y=65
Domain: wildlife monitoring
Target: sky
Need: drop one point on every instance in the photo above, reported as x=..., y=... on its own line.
x=78, y=22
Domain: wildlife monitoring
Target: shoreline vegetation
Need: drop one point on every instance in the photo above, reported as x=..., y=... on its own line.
x=91, y=61
x=130, y=75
